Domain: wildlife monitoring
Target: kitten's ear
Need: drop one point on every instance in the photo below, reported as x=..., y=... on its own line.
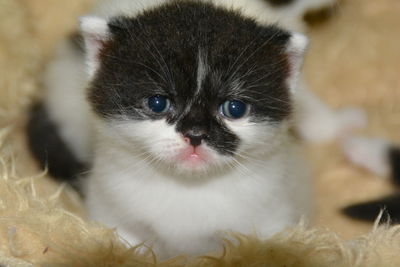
x=95, y=32
x=295, y=50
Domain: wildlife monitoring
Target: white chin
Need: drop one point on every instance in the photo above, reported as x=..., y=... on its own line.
x=192, y=166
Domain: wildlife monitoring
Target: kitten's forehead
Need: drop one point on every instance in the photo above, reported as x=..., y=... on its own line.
x=195, y=51
x=186, y=31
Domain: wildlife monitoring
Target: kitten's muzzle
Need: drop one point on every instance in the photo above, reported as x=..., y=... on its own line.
x=195, y=138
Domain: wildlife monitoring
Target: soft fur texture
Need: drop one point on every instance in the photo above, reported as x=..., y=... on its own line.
x=31, y=225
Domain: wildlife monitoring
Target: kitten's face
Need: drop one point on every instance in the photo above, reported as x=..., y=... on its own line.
x=192, y=87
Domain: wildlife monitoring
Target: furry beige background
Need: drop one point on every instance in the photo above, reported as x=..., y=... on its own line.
x=354, y=59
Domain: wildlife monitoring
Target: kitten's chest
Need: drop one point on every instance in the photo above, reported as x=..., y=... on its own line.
x=221, y=203
x=143, y=204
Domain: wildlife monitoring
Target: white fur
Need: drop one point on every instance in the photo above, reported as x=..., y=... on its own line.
x=316, y=122
x=65, y=80
x=368, y=153
x=136, y=185
x=202, y=70
x=295, y=50
x=182, y=213
x=95, y=31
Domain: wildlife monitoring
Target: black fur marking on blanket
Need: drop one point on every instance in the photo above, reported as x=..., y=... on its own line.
x=368, y=211
x=394, y=161
x=50, y=150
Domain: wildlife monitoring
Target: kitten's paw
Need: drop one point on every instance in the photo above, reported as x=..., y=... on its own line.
x=368, y=153
x=326, y=125
x=350, y=119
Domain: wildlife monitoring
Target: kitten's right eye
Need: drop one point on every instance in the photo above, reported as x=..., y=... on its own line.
x=158, y=104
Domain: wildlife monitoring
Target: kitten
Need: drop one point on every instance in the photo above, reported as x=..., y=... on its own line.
x=184, y=120
x=383, y=159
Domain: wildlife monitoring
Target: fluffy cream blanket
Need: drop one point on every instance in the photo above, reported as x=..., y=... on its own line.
x=354, y=59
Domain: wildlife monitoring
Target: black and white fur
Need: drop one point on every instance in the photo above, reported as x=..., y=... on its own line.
x=383, y=159
x=199, y=54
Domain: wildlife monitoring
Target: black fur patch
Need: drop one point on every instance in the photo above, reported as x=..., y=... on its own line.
x=279, y=3
x=369, y=211
x=157, y=53
x=50, y=150
x=394, y=161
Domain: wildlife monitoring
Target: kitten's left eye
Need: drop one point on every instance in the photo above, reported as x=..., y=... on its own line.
x=159, y=104
x=234, y=109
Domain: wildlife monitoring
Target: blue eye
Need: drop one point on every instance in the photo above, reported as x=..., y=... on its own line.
x=159, y=104
x=234, y=109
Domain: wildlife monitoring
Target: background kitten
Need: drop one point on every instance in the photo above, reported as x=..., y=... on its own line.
x=383, y=159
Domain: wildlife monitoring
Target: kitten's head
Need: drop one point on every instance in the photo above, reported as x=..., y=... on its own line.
x=192, y=86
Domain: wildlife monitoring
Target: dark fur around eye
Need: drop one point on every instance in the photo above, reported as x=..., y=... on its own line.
x=198, y=56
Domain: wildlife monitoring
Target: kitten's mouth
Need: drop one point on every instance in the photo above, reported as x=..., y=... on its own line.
x=193, y=158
